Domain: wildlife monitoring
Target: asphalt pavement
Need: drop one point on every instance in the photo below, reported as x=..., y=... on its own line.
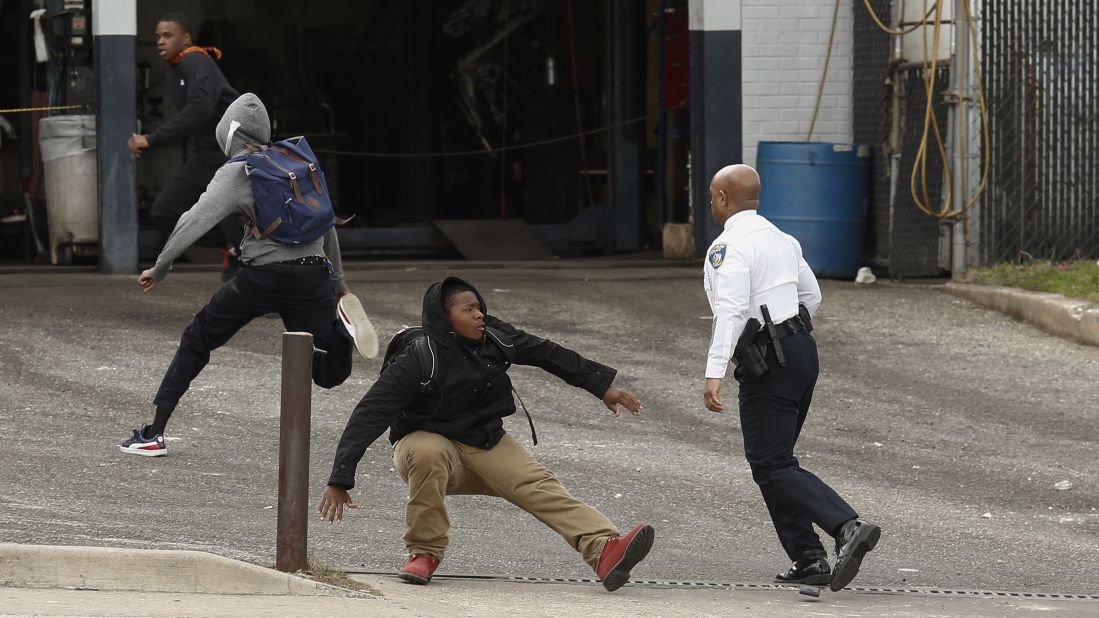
x=951, y=426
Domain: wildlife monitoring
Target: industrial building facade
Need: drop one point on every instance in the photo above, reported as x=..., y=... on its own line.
x=592, y=125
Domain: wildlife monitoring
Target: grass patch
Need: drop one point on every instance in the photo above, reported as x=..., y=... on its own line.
x=1076, y=279
x=327, y=574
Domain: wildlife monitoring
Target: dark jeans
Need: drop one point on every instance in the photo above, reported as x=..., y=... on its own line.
x=772, y=411
x=301, y=295
x=176, y=198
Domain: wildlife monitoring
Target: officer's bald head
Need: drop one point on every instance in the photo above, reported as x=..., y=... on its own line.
x=734, y=188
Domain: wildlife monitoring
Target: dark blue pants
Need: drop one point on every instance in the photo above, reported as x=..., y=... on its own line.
x=772, y=411
x=301, y=295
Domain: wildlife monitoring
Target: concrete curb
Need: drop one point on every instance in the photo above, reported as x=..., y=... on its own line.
x=146, y=570
x=1053, y=313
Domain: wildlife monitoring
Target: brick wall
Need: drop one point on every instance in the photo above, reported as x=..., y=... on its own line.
x=784, y=44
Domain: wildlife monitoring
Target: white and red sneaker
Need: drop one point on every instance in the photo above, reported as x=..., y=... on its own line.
x=353, y=317
x=138, y=444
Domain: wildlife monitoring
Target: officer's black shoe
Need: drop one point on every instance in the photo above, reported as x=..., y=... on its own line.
x=855, y=538
x=811, y=571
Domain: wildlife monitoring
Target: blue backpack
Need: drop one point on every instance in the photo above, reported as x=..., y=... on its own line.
x=292, y=201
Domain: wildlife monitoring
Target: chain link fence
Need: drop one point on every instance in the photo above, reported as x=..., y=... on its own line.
x=871, y=98
x=1039, y=60
x=901, y=239
x=916, y=236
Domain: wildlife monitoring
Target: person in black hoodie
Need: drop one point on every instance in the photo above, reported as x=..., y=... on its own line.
x=200, y=94
x=443, y=399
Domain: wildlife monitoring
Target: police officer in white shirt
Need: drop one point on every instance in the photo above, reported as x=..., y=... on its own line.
x=753, y=265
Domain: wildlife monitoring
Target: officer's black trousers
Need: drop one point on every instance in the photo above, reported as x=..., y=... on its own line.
x=772, y=411
x=301, y=295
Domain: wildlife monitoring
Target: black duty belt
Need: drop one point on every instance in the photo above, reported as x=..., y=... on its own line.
x=789, y=327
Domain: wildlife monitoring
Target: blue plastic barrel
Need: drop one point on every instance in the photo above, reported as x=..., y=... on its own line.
x=817, y=193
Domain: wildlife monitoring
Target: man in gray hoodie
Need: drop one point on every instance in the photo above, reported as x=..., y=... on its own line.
x=303, y=283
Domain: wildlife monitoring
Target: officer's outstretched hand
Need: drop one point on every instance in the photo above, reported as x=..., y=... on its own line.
x=712, y=395
x=615, y=396
x=332, y=502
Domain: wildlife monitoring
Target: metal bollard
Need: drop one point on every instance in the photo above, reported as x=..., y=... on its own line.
x=297, y=388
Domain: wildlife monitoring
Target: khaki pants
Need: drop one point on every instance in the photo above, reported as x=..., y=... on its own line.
x=434, y=467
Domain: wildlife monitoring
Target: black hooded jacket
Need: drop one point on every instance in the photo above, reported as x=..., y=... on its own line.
x=470, y=393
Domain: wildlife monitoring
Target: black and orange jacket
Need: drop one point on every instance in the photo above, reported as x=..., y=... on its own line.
x=200, y=94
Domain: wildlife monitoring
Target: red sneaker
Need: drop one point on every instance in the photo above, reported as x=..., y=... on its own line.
x=622, y=553
x=419, y=568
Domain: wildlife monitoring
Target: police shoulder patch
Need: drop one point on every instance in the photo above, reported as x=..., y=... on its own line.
x=717, y=255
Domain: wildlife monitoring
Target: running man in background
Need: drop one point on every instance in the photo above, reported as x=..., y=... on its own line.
x=200, y=94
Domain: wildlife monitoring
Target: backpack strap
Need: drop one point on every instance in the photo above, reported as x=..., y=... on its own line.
x=291, y=152
x=530, y=421
x=292, y=175
x=270, y=229
x=425, y=354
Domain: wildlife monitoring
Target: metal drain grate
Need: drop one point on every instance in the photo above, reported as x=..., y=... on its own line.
x=652, y=583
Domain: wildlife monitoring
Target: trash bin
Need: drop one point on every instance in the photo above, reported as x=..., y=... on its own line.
x=72, y=204
x=818, y=193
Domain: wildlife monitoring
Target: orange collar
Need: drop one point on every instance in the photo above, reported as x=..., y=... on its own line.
x=193, y=49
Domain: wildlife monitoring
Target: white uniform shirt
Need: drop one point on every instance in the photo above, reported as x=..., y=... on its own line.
x=753, y=263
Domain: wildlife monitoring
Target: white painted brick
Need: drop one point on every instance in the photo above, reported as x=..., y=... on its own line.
x=826, y=127
x=772, y=89
x=803, y=36
x=784, y=48
x=811, y=51
x=794, y=115
x=773, y=50
x=807, y=75
x=801, y=61
x=798, y=88
x=757, y=114
x=818, y=25
x=832, y=113
x=779, y=101
x=754, y=89
x=800, y=10
x=772, y=26
x=774, y=127
x=786, y=37
x=763, y=64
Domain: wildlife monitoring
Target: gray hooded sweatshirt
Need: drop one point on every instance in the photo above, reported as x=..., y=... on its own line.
x=230, y=193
